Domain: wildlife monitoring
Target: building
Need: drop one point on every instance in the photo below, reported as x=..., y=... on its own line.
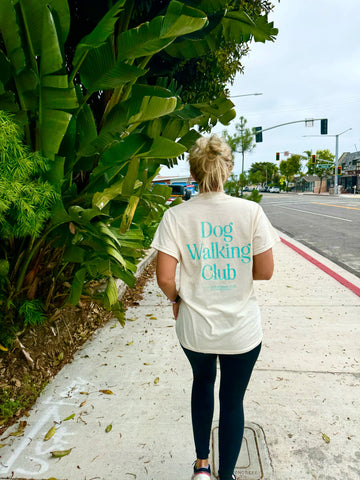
x=173, y=179
x=350, y=177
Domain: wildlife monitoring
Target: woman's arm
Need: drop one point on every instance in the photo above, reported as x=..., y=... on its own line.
x=263, y=265
x=165, y=274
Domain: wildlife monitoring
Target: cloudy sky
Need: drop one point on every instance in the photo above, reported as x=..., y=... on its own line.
x=312, y=70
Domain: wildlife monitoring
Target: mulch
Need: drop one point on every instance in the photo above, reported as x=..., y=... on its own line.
x=41, y=352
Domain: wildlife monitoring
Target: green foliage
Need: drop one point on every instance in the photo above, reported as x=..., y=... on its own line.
x=235, y=184
x=261, y=172
x=254, y=196
x=26, y=198
x=290, y=167
x=32, y=312
x=324, y=163
x=323, y=166
x=243, y=140
x=102, y=110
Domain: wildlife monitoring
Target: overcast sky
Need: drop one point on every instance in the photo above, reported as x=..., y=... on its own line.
x=312, y=70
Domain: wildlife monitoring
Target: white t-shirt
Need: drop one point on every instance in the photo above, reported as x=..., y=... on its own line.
x=214, y=237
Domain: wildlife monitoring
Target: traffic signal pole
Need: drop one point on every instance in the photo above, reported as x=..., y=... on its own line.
x=260, y=130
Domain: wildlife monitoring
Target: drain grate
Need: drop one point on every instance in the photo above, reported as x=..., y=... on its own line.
x=253, y=462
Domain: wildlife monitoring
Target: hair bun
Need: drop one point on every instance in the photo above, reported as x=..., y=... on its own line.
x=211, y=162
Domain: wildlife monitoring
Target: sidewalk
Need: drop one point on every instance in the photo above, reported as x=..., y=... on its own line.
x=305, y=384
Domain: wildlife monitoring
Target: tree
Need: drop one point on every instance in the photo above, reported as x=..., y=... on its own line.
x=263, y=172
x=235, y=184
x=240, y=142
x=323, y=166
x=290, y=167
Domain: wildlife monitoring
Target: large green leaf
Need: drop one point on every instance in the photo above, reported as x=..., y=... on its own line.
x=51, y=59
x=131, y=177
x=10, y=31
x=99, y=35
x=53, y=126
x=239, y=27
x=134, y=111
x=111, y=292
x=187, y=49
x=101, y=199
x=181, y=20
x=144, y=40
x=86, y=131
x=152, y=37
x=33, y=11
x=164, y=148
x=114, y=159
x=59, y=98
x=77, y=286
x=129, y=214
x=108, y=74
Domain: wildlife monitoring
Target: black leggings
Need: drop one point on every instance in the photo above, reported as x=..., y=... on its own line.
x=235, y=375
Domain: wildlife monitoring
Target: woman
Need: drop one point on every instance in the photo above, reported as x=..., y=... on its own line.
x=222, y=244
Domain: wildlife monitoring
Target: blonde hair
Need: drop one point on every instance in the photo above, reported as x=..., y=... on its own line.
x=211, y=163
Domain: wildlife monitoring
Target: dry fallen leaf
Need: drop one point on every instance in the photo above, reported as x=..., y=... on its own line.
x=108, y=392
x=153, y=318
x=50, y=434
x=3, y=349
x=326, y=438
x=130, y=343
x=82, y=403
x=2, y=445
x=156, y=380
x=84, y=393
x=108, y=428
x=18, y=433
x=60, y=453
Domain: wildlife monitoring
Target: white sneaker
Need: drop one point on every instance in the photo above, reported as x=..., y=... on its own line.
x=201, y=473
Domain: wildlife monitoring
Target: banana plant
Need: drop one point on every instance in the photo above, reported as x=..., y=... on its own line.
x=102, y=167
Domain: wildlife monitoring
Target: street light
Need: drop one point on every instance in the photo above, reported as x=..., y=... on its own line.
x=244, y=95
x=336, y=155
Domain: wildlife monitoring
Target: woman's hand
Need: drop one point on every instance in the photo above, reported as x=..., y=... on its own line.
x=176, y=307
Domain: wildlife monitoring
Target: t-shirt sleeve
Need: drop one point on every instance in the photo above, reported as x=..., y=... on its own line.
x=164, y=238
x=265, y=235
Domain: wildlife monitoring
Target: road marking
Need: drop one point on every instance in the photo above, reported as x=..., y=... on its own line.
x=331, y=205
x=319, y=214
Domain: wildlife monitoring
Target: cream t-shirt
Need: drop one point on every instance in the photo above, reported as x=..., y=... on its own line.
x=214, y=237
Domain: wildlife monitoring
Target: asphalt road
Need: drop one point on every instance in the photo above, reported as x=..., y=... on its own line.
x=329, y=225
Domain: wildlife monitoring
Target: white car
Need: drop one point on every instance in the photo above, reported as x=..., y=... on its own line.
x=274, y=190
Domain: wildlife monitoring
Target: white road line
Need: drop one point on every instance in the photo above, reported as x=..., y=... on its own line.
x=313, y=213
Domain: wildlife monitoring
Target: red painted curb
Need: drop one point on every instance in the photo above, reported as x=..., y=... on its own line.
x=324, y=268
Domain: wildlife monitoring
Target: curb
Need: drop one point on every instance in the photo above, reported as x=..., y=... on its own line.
x=329, y=271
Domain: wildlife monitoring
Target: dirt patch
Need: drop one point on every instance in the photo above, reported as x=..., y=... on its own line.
x=40, y=353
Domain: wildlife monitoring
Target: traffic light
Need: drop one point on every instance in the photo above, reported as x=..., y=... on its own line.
x=333, y=170
x=323, y=126
x=313, y=159
x=258, y=134
x=277, y=156
x=339, y=170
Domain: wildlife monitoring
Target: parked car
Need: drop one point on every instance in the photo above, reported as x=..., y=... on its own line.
x=274, y=190
x=179, y=191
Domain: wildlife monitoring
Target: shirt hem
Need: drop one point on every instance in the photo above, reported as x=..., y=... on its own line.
x=227, y=352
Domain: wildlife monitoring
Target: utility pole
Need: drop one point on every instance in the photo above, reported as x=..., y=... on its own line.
x=336, y=181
